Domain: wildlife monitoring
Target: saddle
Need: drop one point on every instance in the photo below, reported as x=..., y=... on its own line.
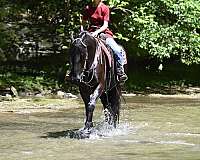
x=102, y=37
x=102, y=49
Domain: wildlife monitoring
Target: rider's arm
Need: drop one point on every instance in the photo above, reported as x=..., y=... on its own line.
x=106, y=19
x=103, y=28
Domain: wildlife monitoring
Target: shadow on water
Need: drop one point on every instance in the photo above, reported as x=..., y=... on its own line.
x=71, y=133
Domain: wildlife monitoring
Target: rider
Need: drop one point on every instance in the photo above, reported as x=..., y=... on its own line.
x=98, y=15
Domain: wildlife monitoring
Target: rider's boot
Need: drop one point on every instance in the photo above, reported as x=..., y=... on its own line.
x=68, y=76
x=122, y=77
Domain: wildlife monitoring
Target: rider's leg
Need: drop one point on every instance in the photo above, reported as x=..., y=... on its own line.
x=120, y=60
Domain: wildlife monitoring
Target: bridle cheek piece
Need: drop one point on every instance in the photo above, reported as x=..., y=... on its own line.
x=82, y=74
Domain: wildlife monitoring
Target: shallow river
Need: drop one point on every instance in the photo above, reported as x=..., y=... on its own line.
x=149, y=129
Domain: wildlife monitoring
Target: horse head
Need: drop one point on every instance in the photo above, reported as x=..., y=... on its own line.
x=81, y=51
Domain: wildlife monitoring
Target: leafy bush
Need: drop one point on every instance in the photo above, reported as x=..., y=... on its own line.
x=164, y=28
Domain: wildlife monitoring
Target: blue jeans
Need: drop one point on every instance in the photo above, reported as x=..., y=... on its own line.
x=117, y=49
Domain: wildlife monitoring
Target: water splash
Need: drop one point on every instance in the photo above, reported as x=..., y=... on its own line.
x=104, y=130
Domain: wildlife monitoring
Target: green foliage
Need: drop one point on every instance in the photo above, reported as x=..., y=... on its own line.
x=164, y=28
x=157, y=28
x=27, y=83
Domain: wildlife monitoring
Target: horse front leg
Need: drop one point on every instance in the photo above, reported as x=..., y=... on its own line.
x=91, y=105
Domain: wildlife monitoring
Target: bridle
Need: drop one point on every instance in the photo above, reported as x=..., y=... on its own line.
x=84, y=70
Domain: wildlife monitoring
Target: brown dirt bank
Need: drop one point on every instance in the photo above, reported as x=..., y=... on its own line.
x=31, y=105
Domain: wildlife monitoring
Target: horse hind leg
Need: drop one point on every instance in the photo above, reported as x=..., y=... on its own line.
x=111, y=109
x=114, y=100
x=106, y=111
x=108, y=116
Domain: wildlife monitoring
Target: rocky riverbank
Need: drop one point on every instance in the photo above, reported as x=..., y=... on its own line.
x=34, y=104
x=48, y=101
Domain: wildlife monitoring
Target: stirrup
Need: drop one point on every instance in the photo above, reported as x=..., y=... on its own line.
x=67, y=77
x=122, y=78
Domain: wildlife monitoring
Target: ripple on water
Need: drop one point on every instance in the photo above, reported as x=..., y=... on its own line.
x=176, y=143
x=184, y=134
x=160, y=142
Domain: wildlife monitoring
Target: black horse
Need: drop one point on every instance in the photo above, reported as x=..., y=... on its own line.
x=93, y=70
